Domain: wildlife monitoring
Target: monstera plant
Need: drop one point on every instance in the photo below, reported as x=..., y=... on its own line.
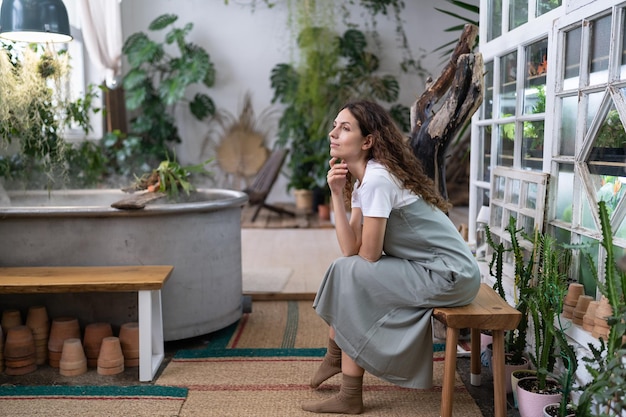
x=159, y=75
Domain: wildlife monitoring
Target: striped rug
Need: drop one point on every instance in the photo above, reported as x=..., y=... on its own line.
x=62, y=401
x=261, y=366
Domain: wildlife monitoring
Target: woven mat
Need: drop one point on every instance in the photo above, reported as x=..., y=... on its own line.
x=261, y=365
x=52, y=401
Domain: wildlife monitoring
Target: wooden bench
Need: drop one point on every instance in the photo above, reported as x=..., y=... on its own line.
x=147, y=281
x=488, y=311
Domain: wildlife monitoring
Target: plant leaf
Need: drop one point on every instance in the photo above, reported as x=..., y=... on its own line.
x=162, y=21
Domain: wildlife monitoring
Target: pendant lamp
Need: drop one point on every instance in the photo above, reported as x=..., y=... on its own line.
x=34, y=21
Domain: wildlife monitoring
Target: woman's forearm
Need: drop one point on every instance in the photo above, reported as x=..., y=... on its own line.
x=347, y=237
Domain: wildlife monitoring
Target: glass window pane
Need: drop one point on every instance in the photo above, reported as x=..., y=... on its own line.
x=623, y=65
x=484, y=169
x=544, y=6
x=586, y=277
x=564, y=192
x=487, y=107
x=608, y=154
x=572, y=59
x=531, y=195
x=567, y=132
x=494, y=24
x=593, y=105
x=588, y=215
x=621, y=230
x=506, y=144
x=515, y=191
x=518, y=13
x=499, y=184
x=535, y=77
x=609, y=189
x=600, y=34
x=532, y=146
x=508, y=75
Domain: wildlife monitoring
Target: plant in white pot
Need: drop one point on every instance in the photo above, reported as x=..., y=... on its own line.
x=515, y=340
x=545, y=299
x=605, y=394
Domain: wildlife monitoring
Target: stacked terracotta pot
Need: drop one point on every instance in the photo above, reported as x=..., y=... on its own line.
x=19, y=351
x=73, y=360
x=94, y=333
x=129, y=339
x=10, y=318
x=601, y=326
x=111, y=358
x=589, y=319
x=62, y=328
x=37, y=321
x=581, y=309
x=574, y=291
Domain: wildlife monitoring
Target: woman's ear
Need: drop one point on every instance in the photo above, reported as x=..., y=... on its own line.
x=368, y=142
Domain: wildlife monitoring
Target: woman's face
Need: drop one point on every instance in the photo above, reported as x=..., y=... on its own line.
x=346, y=139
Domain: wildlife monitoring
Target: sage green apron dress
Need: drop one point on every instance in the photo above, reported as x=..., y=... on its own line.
x=381, y=311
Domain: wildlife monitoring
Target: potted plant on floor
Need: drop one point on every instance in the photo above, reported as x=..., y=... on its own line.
x=331, y=70
x=604, y=394
x=515, y=340
x=545, y=298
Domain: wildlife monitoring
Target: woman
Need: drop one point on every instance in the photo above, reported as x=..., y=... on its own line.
x=402, y=257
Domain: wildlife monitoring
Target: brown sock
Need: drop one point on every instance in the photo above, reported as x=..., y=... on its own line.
x=348, y=401
x=331, y=365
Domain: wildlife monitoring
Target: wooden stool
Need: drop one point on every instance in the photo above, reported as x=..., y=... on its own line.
x=488, y=311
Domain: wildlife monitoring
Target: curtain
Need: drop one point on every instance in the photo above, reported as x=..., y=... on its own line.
x=101, y=25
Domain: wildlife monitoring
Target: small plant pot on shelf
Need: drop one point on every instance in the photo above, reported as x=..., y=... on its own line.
x=530, y=401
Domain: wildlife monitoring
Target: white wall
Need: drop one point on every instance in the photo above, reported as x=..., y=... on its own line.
x=245, y=45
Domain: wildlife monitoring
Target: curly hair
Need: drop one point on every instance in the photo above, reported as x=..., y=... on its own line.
x=390, y=149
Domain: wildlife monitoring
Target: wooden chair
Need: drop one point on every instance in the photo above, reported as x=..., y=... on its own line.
x=263, y=182
x=488, y=311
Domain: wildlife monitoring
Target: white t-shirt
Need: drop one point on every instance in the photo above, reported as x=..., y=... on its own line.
x=380, y=192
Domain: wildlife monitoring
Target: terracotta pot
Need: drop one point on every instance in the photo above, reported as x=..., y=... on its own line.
x=111, y=358
x=19, y=343
x=516, y=375
x=581, y=309
x=10, y=318
x=323, y=211
x=129, y=340
x=37, y=317
x=19, y=351
x=531, y=404
x=73, y=361
x=94, y=333
x=589, y=317
x=62, y=328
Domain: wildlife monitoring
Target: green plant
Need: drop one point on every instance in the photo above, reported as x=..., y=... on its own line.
x=606, y=365
x=545, y=301
x=611, y=133
x=515, y=340
x=156, y=82
x=33, y=123
x=332, y=70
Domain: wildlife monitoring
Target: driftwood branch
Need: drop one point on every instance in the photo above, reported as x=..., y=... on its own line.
x=461, y=87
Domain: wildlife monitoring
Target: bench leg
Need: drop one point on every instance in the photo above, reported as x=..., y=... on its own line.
x=449, y=371
x=151, y=348
x=497, y=363
x=475, y=365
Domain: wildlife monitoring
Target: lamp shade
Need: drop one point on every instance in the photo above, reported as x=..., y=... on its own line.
x=34, y=21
